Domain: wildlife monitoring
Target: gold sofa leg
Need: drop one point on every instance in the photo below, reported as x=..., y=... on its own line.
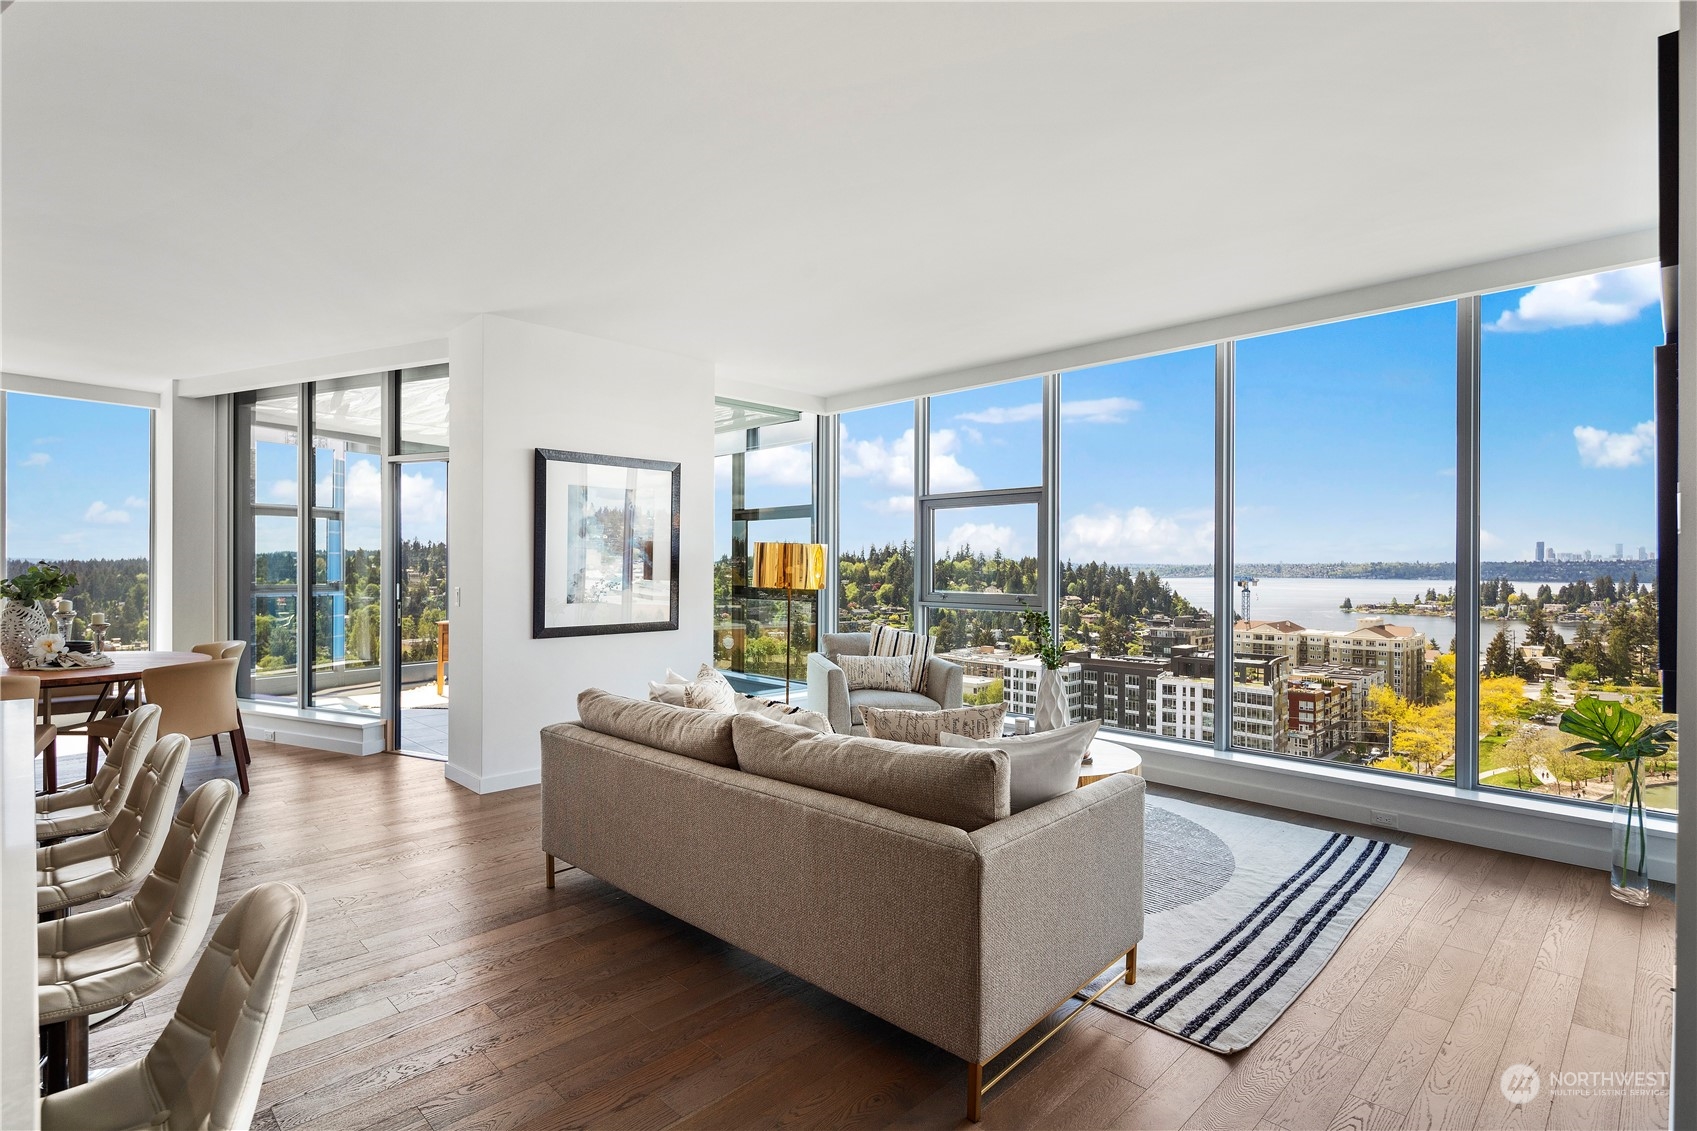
x=1131, y=967
x=550, y=859
x=974, y=1091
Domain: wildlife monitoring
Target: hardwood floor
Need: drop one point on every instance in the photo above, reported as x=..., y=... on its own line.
x=444, y=987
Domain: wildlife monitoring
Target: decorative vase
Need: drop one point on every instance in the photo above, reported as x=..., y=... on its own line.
x=21, y=625
x=1629, y=878
x=1051, y=700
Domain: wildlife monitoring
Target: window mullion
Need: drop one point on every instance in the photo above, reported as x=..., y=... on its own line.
x=1225, y=439
x=1467, y=418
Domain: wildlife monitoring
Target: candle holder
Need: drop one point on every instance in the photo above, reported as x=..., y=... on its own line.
x=97, y=629
x=64, y=619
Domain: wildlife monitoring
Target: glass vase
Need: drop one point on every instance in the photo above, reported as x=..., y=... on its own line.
x=1629, y=877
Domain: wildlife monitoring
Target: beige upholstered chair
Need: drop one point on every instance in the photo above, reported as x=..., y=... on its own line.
x=107, y=958
x=91, y=806
x=199, y=700
x=206, y=1068
x=828, y=690
x=222, y=649
x=29, y=687
x=105, y=863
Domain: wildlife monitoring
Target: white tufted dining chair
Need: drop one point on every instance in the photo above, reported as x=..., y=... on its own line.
x=92, y=806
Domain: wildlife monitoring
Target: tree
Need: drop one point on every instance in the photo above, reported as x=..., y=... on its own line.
x=1582, y=672
x=991, y=693
x=1348, y=605
x=1499, y=655
x=1502, y=699
x=1548, y=708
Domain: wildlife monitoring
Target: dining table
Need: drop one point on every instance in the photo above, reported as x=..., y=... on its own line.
x=93, y=694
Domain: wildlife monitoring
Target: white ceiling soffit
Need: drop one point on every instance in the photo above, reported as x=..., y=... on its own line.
x=817, y=198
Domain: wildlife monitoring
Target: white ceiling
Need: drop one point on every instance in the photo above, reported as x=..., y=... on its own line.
x=816, y=197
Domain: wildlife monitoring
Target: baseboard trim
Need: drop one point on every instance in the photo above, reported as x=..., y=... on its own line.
x=492, y=783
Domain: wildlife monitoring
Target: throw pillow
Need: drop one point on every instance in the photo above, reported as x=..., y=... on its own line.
x=964, y=788
x=668, y=692
x=877, y=673
x=710, y=692
x=1041, y=765
x=887, y=641
x=924, y=727
x=783, y=713
x=703, y=735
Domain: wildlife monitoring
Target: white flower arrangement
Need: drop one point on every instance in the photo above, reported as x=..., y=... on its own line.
x=48, y=649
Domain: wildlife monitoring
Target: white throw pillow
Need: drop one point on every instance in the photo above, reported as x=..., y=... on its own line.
x=1041, y=765
x=710, y=692
x=668, y=692
x=783, y=713
x=877, y=673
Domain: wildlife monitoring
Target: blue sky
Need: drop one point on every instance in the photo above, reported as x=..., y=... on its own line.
x=76, y=479
x=1346, y=441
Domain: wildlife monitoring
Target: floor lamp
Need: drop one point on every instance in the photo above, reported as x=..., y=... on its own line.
x=788, y=566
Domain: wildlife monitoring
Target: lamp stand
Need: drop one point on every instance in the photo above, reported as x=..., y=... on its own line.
x=789, y=637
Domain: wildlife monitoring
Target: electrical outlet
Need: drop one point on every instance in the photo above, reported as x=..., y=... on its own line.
x=1383, y=819
x=456, y=596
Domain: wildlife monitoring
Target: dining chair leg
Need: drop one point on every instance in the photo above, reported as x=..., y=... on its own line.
x=50, y=769
x=217, y=749
x=65, y=1047
x=93, y=758
x=239, y=754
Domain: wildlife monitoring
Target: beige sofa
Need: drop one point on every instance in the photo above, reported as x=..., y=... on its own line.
x=964, y=938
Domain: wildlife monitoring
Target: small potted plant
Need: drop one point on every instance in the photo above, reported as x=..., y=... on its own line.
x=22, y=623
x=1051, y=699
x=1611, y=733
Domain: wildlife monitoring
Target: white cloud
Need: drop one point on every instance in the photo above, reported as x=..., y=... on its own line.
x=1487, y=540
x=1018, y=414
x=984, y=538
x=788, y=466
x=283, y=491
x=36, y=459
x=1100, y=410
x=1598, y=448
x=424, y=507
x=889, y=463
x=895, y=504
x=1589, y=300
x=99, y=512
x=1137, y=534
x=136, y=503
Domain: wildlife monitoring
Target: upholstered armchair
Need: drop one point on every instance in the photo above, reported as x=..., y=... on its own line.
x=206, y=1068
x=828, y=691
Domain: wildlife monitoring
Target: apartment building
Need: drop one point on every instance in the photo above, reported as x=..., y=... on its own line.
x=1163, y=634
x=1121, y=691
x=1019, y=686
x=1396, y=650
x=1185, y=699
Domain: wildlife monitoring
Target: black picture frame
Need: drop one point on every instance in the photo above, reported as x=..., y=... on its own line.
x=597, y=559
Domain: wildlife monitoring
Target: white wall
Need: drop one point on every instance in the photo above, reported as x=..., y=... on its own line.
x=518, y=387
x=191, y=476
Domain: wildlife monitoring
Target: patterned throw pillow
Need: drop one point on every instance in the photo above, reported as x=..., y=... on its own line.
x=710, y=692
x=923, y=727
x=877, y=673
x=887, y=641
x=783, y=713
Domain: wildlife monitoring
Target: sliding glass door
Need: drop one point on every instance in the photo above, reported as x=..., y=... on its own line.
x=349, y=477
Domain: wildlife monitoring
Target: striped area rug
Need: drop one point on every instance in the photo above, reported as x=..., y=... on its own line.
x=1241, y=912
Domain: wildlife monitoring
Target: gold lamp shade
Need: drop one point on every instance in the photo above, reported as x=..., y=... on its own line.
x=788, y=565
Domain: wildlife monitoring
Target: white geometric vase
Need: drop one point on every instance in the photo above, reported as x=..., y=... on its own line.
x=21, y=625
x=1051, y=700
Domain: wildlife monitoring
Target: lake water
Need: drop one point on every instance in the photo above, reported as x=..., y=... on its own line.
x=1315, y=603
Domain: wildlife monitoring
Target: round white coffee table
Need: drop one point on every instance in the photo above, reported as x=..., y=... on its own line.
x=1106, y=760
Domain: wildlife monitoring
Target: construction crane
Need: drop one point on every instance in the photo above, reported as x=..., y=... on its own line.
x=1243, y=584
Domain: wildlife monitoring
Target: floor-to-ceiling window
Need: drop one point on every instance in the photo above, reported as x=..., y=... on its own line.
x=1568, y=525
x=79, y=478
x=1137, y=540
x=348, y=475
x=1379, y=619
x=875, y=517
x=1345, y=541
x=763, y=492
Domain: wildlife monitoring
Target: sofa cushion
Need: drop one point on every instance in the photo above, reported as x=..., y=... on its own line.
x=888, y=641
x=703, y=735
x=964, y=788
x=878, y=673
x=783, y=713
x=924, y=726
x=1041, y=765
x=890, y=700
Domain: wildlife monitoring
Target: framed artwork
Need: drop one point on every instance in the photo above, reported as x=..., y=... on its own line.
x=606, y=545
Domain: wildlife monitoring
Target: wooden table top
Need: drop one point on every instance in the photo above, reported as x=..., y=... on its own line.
x=125, y=665
x=1108, y=758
